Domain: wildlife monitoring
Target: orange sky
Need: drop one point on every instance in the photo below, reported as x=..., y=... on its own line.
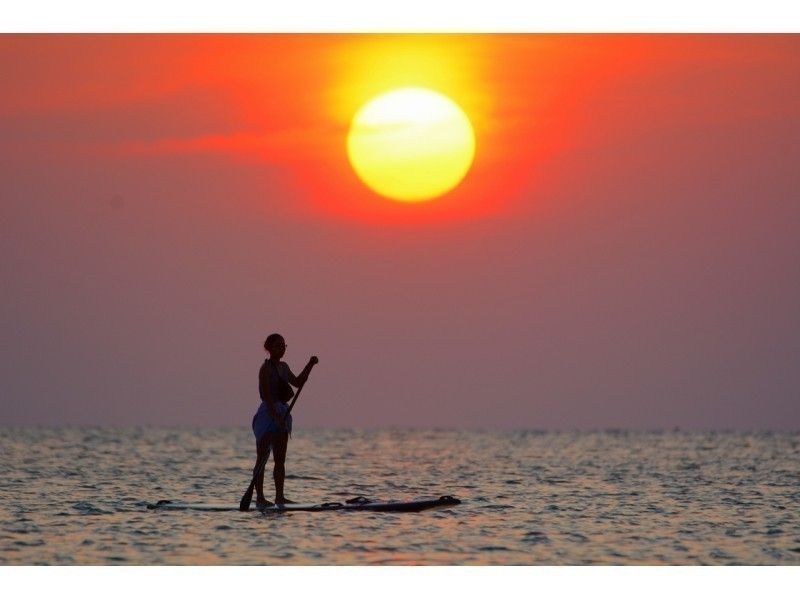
x=288, y=99
x=623, y=179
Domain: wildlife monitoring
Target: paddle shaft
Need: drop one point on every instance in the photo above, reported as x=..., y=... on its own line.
x=244, y=504
x=297, y=394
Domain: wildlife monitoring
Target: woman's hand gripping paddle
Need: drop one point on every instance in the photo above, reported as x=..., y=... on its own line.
x=244, y=504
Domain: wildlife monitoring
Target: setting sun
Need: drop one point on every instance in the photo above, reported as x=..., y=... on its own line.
x=411, y=144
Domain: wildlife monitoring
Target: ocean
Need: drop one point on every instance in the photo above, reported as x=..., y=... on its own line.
x=78, y=496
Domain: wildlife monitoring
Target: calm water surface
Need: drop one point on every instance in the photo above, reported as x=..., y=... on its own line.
x=78, y=496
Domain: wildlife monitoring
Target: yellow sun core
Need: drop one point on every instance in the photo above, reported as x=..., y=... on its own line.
x=411, y=144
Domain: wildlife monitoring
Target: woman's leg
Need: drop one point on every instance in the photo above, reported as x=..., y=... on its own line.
x=262, y=454
x=280, y=441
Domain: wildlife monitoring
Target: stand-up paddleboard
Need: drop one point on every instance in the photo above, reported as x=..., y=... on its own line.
x=359, y=503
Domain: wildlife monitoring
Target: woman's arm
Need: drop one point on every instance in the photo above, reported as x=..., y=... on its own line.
x=298, y=381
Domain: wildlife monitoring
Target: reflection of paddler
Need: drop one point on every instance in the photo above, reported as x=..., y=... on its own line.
x=272, y=423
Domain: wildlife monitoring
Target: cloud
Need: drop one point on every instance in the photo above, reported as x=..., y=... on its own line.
x=274, y=146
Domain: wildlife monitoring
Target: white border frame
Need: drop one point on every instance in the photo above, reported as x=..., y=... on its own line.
x=312, y=16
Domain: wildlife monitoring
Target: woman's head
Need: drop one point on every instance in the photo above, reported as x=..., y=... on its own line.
x=275, y=345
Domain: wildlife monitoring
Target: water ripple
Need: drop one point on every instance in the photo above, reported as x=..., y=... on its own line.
x=613, y=497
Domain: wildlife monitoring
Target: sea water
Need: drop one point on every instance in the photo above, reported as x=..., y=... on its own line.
x=79, y=496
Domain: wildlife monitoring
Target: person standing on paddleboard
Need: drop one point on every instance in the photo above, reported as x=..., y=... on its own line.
x=272, y=424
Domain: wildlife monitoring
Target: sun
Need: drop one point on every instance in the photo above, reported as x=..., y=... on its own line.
x=411, y=144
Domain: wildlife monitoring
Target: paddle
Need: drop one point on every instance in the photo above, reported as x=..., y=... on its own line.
x=311, y=363
x=244, y=504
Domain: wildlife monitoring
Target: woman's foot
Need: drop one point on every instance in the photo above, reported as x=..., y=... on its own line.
x=284, y=501
x=263, y=503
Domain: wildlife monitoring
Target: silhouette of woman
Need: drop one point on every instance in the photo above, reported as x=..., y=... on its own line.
x=272, y=424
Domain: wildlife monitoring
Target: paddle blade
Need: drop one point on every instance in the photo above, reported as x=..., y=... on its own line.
x=244, y=504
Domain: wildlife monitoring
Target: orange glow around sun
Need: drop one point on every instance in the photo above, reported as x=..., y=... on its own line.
x=318, y=114
x=515, y=97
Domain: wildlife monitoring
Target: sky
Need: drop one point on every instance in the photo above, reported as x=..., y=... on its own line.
x=623, y=252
